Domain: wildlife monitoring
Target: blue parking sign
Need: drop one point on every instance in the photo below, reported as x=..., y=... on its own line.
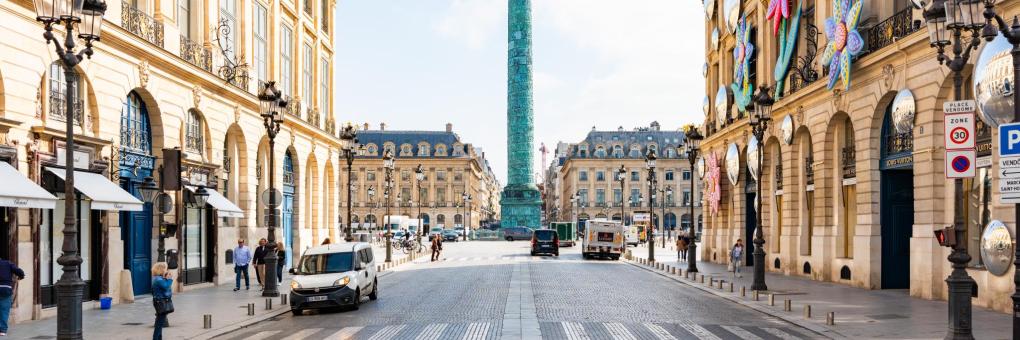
x=1009, y=140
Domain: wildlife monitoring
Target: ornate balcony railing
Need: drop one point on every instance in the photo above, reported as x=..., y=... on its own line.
x=899, y=143
x=312, y=116
x=849, y=162
x=600, y=204
x=617, y=204
x=779, y=176
x=330, y=126
x=58, y=109
x=897, y=26
x=294, y=108
x=141, y=24
x=196, y=54
x=235, y=75
x=635, y=204
x=809, y=171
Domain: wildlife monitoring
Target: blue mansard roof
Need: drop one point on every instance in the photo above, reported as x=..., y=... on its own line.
x=627, y=143
x=412, y=143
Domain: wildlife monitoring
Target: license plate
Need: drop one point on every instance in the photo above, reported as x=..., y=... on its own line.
x=316, y=298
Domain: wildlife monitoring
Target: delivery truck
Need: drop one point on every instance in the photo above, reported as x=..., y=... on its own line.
x=566, y=231
x=603, y=238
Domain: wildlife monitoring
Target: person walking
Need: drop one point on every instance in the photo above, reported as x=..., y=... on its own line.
x=737, y=257
x=437, y=247
x=162, y=301
x=681, y=247
x=281, y=255
x=9, y=275
x=260, y=261
x=242, y=257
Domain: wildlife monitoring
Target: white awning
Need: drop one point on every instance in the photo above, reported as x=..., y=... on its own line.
x=224, y=207
x=105, y=195
x=19, y=192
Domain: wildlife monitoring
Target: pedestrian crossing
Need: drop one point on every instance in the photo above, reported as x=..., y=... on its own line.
x=570, y=330
x=510, y=259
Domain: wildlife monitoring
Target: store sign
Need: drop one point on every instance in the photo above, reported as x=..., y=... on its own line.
x=81, y=160
x=642, y=217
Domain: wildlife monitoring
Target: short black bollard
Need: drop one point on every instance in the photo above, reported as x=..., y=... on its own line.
x=269, y=303
x=283, y=299
x=743, y=291
x=788, y=305
x=830, y=319
x=207, y=321
x=251, y=309
x=807, y=311
x=754, y=295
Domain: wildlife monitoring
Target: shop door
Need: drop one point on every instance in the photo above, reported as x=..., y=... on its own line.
x=287, y=224
x=136, y=232
x=897, y=222
x=750, y=224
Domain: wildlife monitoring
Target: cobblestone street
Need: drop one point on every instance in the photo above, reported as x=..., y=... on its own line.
x=495, y=290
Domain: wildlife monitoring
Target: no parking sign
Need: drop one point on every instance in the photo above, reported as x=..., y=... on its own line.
x=960, y=163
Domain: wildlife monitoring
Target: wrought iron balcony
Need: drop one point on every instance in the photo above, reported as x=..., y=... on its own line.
x=141, y=24
x=809, y=171
x=899, y=143
x=849, y=162
x=779, y=176
x=897, y=26
x=294, y=108
x=58, y=109
x=235, y=75
x=617, y=204
x=312, y=116
x=635, y=204
x=330, y=125
x=600, y=204
x=196, y=54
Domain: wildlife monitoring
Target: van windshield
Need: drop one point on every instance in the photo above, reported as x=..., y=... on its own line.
x=326, y=263
x=545, y=235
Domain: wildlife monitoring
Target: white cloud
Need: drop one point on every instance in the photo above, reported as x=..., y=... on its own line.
x=476, y=22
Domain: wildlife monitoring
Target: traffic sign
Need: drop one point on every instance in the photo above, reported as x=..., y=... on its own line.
x=1009, y=140
x=959, y=132
x=960, y=163
x=1009, y=181
x=958, y=106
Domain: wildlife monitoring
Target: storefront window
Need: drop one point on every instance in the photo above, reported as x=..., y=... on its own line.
x=978, y=212
x=196, y=246
x=51, y=238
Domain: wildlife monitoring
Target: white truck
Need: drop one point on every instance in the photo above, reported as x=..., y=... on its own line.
x=603, y=238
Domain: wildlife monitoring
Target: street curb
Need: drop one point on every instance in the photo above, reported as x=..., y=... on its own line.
x=820, y=330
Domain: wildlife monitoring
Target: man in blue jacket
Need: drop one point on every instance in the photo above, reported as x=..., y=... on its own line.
x=242, y=256
x=8, y=273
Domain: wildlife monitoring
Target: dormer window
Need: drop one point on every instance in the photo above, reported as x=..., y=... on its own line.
x=440, y=150
x=405, y=150
x=423, y=150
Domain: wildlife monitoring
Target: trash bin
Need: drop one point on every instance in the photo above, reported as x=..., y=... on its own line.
x=105, y=302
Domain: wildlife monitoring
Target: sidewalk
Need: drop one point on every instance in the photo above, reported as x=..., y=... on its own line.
x=134, y=320
x=859, y=313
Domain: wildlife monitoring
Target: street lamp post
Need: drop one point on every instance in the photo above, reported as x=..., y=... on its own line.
x=693, y=139
x=371, y=209
x=419, y=176
x=466, y=198
x=388, y=165
x=88, y=17
x=348, y=149
x=759, y=121
x=272, y=104
x=621, y=175
x=668, y=192
x=650, y=164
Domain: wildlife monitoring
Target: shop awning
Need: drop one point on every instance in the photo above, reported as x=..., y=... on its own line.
x=105, y=195
x=19, y=192
x=223, y=206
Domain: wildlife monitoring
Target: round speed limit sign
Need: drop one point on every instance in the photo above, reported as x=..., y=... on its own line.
x=959, y=135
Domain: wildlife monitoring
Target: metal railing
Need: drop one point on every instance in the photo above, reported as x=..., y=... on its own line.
x=141, y=24
x=899, y=143
x=196, y=54
x=849, y=162
x=312, y=116
x=895, y=27
x=58, y=109
x=779, y=176
x=809, y=171
x=294, y=108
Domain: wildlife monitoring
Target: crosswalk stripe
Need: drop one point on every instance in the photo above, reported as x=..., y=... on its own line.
x=346, y=333
x=659, y=332
x=262, y=335
x=575, y=331
x=431, y=332
x=387, y=332
x=304, y=333
x=619, y=331
x=742, y=333
x=779, y=333
x=698, y=331
x=477, y=331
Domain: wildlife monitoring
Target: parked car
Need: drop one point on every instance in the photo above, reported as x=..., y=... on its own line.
x=516, y=233
x=545, y=241
x=435, y=231
x=333, y=275
x=451, y=235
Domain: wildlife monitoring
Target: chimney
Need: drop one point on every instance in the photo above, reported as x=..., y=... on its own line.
x=449, y=127
x=382, y=126
x=366, y=126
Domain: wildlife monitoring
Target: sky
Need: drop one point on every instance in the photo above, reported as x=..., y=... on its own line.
x=419, y=64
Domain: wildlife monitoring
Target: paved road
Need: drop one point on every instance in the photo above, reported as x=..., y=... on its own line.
x=494, y=290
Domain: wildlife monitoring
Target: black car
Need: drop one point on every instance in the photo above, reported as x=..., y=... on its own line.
x=545, y=241
x=451, y=235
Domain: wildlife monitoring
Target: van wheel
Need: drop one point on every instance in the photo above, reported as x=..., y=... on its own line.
x=357, y=299
x=509, y=239
x=375, y=290
x=296, y=312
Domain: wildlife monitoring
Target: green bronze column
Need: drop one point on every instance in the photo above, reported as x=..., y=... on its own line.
x=521, y=201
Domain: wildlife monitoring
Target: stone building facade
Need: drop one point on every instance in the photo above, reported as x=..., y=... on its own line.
x=589, y=170
x=851, y=192
x=166, y=75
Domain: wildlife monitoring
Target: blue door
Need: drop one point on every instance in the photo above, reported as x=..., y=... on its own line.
x=287, y=208
x=135, y=164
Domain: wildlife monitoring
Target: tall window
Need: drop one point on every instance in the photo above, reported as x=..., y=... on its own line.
x=441, y=196
x=687, y=175
x=193, y=136
x=184, y=17
x=669, y=175
x=59, y=95
x=583, y=196
x=324, y=16
x=582, y=175
x=286, y=59
x=440, y=175
x=134, y=126
x=600, y=176
x=228, y=13
x=324, y=85
x=306, y=66
x=618, y=195
x=423, y=150
x=261, y=33
x=600, y=196
x=310, y=6
x=687, y=198
x=635, y=176
x=635, y=196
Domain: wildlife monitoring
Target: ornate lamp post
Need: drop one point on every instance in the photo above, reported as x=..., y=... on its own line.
x=371, y=208
x=88, y=17
x=349, y=148
x=419, y=176
x=649, y=234
x=573, y=208
x=388, y=161
x=668, y=192
x=759, y=121
x=692, y=142
x=466, y=198
x=273, y=104
x=621, y=176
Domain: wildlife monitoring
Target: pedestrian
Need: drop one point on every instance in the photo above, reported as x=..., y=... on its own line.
x=326, y=241
x=9, y=274
x=281, y=256
x=242, y=256
x=260, y=261
x=437, y=247
x=161, y=297
x=736, y=257
x=681, y=247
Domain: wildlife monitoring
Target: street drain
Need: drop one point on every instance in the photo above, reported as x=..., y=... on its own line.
x=887, y=316
x=43, y=337
x=132, y=324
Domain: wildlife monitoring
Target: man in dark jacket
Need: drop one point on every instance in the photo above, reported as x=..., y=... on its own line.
x=8, y=273
x=260, y=261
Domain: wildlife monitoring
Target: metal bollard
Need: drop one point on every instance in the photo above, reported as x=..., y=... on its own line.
x=807, y=311
x=720, y=284
x=702, y=279
x=830, y=319
x=251, y=309
x=772, y=299
x=207, y=321
x=283, y=299
x=731, y=287
x=788, y=305
x=754, y=295
x=743, y=291
x=269, y=303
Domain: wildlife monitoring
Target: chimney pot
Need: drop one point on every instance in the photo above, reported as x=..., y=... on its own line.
x=366, y=126
x=449, y=127
x=382, y=126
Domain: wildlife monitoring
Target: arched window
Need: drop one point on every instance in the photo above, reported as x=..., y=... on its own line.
x=618, y=151
x=194, y=136
x=389, y=147
x=405, y=150
x=135, y=132
x=288, y=169
x=600, y=151
x=458, y=219
x=440, y=150
x=635, y=151
x=372, y=150
x=653, y=147
x=440, y=219
x=59, y=95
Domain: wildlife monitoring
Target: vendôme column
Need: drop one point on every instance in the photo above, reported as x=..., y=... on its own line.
x=521, y=201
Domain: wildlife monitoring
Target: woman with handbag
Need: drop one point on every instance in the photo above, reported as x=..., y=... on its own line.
x=161, y=297
x=737, y=257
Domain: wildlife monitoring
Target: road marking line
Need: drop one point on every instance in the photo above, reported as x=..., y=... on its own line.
x=698, y=331
x=262, y=335
x=741, y=333
x=304, y=333
x=619, y=331
x=659, y=332
x=387, y=332
x=431, y=332
x=575, y=331
x=346, y=333
x=477, y=331
x=779, y=333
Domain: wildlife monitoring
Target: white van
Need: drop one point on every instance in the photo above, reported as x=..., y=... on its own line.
x=333, y=275
x=633, y=235
x=603, y=238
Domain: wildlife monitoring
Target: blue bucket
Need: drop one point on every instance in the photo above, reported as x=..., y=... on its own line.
x=105, y=302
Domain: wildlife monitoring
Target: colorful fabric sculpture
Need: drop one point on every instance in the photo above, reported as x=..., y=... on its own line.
x=779, y=10
x=711, y=180
x=844, y=40
x=787, y=31
x=743, y=52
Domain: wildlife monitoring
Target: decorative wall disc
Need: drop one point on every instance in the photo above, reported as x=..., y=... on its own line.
x=715, y=39
x=752, y=157
x=903, y=109
x=707, y=106
x=993, y=82
x=731, y=10
x=709, y=8
x=997, y=248
x=786, y=127
x=722, y=105
x=733, y=163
